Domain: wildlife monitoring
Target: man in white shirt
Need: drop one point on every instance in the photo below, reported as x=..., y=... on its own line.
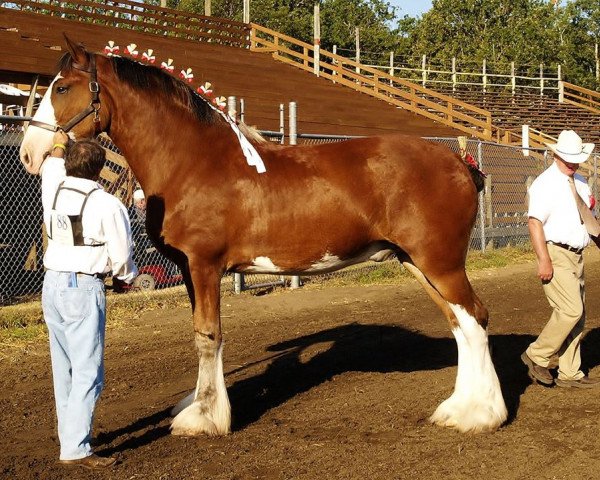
x=559, y=235
x=89, y=237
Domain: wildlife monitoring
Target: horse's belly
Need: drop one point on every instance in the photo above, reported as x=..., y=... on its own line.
x=327, y=263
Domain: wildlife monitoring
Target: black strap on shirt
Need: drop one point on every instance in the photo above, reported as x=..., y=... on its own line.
x=76, y=220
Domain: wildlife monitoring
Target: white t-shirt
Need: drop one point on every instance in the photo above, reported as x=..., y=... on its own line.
x=105, y=223
x=552, y=203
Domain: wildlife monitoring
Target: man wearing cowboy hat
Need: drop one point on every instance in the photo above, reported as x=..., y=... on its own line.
x=559, y=203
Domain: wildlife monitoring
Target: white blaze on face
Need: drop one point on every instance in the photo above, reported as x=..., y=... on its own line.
x=38, y=141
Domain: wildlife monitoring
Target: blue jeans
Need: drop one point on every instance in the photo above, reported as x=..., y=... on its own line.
x=76, y=317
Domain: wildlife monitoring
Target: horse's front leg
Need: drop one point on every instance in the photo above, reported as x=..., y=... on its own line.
x=207, y=410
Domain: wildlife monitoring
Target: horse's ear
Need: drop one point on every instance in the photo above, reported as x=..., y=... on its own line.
x=78, y=52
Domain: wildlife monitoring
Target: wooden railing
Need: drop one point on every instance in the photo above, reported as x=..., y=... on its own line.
x=579, y=96
x=402, y=93
x=140, y=17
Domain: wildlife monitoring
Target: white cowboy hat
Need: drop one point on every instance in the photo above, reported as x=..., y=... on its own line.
x=571, y=148
x=138, y=195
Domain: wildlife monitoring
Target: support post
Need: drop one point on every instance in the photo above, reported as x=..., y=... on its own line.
x=292, y=122
x=424, y=69
x=541, y=79
x=561, y=91
x=525, y=139
x=357, y=44
x=334, y=61
x=282, y=122
x=453, y=74
x=391, y=67
x=481, y=199
x=207, y=7
x=238, y=283
x=30, y=101
x=597, y=61
x=484, y=78
x=246, y=11
x=513, y=77
x=231, y=108
x=295, y=280
x=317, y=40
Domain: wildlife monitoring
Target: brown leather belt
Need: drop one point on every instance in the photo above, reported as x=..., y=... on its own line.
x=101, y=276
x=567, y=247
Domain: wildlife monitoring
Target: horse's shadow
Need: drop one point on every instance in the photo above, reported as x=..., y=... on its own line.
x=351, y=347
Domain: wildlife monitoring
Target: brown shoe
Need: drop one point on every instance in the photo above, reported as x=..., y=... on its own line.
x=583, y=382
x=536, y=372
x=93, y=462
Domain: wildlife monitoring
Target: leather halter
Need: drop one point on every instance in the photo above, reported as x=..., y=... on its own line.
x=92, y=108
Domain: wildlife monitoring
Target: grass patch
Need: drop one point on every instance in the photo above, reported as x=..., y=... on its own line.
x=477, y=260
x=22, y=324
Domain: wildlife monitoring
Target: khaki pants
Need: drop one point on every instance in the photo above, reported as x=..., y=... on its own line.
x=562, y=333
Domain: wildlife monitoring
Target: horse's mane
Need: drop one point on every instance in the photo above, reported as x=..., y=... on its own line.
x=148, y=77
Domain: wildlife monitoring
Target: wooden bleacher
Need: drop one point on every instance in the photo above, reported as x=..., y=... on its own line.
x=541, y=112
x=34, y=44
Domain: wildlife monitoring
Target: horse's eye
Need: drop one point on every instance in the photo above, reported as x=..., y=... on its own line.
x=62, y=89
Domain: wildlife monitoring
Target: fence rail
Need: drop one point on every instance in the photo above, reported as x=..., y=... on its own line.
x=410, y=96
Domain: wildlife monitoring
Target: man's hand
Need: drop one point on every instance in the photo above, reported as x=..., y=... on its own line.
x=60, y=137
x=118, y=285
x=545, y=270
x=59, y=144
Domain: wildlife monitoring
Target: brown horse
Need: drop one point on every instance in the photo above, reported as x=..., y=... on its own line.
x=315, y=209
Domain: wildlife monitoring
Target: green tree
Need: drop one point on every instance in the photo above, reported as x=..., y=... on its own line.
x=499, y=31
x=295, y=18
x=580, y=33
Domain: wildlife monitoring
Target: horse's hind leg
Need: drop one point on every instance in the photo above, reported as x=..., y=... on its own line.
x=207, y=410
x=476, y=403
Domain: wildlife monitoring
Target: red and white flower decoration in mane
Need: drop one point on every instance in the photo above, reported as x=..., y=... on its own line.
x=148, y=57
x=111, y=49
x=205, y=89
x=131, y=50
x=168, y=65
x=220, y=102
x=187, y=75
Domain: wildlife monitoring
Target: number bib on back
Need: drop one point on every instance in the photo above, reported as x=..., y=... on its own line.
x=61, y=229
x=68, y=229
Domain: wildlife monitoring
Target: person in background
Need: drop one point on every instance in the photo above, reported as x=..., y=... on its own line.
x=560, y=222
x=89, y=237
x=139, y=204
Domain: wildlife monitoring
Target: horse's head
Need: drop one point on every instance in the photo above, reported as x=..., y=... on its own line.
x=72, y=103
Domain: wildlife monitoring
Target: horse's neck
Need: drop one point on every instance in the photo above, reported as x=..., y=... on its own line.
x=150, y=138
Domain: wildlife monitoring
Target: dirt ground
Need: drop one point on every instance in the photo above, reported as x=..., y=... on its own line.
x=336, y=382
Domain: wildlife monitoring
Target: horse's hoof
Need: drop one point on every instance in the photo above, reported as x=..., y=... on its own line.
x=191, y=423
x=472, y=419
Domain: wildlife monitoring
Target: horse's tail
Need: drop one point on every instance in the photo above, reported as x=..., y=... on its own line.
x=478, y=176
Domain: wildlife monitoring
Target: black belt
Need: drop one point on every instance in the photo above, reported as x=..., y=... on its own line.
x=101, y=276
x=567, y=247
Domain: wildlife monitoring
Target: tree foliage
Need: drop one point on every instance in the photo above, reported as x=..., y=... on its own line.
x=526, y=32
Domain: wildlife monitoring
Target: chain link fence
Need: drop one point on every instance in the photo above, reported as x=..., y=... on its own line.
x=501, y=219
